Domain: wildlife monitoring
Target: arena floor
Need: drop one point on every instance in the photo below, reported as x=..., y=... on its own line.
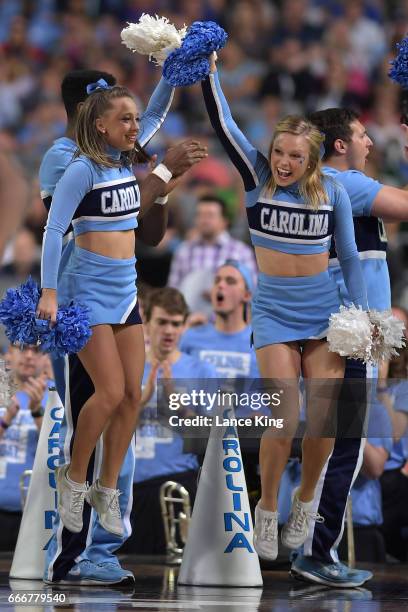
x=156, y=589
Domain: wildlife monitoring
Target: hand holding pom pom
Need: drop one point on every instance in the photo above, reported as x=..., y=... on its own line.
x=18, y=309
x=190, y=64
x=70, y=333
x=369, y=336
x=184, y=56
x=389, y=334
x=349, y=333
x=179, y=73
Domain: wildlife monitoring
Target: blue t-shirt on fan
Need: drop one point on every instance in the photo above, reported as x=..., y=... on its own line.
x=230, y=354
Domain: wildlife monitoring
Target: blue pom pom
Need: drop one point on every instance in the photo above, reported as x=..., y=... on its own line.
x=399, y=70
x=189, y=64
x=70, y=333
x=17, y=313
x=178, y=72
x=202, y=38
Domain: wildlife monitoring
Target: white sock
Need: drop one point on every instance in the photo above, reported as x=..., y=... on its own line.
x=78, y=485
x=268, y=513
x=307, y=505
x=103, y=489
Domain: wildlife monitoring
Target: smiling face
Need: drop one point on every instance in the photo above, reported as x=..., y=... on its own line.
x=120, y=124
x=289, y=158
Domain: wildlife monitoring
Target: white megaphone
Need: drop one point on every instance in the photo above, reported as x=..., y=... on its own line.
x=40, y=504
x=219, y=549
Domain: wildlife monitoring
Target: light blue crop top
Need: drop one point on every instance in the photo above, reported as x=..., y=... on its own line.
x=284, y=222
x=94, y=199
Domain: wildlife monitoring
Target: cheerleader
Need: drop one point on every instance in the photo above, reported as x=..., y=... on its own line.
x=293, y=211
x=99, y=195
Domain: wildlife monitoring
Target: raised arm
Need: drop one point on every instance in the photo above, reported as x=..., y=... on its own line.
x=249, y=162
x=156, y=112
x=347, y=250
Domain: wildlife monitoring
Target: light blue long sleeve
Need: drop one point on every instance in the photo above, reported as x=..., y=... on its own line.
x=156, y=112
x=250, y=163
x=75, y=183
x=347, y=250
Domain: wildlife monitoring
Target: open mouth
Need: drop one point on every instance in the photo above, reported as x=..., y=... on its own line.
x=283, y=174
x=219, y=298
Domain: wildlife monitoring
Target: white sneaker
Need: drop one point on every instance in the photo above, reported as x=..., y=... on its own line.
x=106, y=503
x=295, y=532
x=266, y=533
x=71, y=498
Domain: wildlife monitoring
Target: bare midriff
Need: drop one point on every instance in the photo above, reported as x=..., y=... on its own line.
x=276, y=263
x=118, y=245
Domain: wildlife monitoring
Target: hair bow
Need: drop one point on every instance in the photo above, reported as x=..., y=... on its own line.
x=98, y=86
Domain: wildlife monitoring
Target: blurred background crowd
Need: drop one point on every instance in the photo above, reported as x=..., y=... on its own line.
x=282, y=56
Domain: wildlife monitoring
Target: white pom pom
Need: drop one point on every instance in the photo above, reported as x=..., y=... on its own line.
x=349, y=333
x=153, y=36
x=388, y=334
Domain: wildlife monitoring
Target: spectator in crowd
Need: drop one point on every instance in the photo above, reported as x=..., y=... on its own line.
x=367, y=38
x=198, y=258
x=226, y=344
x=159, y=450
x=20, y=423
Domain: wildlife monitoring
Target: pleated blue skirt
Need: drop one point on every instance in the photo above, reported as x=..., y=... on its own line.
x=107, y=286
x=293, y=308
